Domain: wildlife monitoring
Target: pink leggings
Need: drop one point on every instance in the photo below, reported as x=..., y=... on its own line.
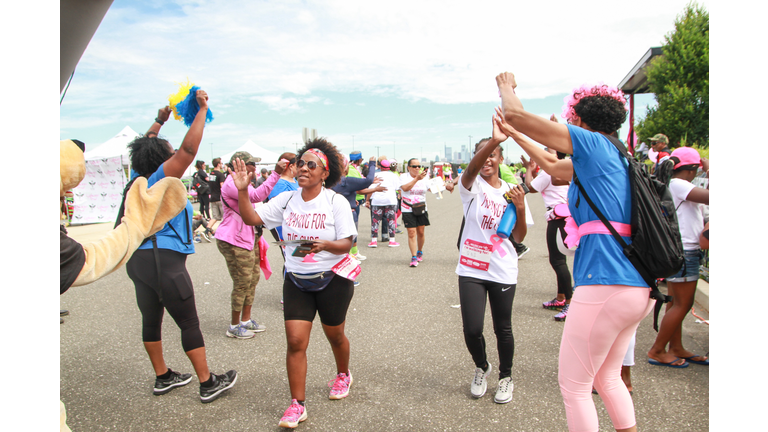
x=601, y=321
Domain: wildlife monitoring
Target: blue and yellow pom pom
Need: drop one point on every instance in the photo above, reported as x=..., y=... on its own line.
x=184, y=104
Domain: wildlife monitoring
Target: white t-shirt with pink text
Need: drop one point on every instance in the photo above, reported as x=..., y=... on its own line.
x=417, y=194
x=483, y=254
x=326, y=217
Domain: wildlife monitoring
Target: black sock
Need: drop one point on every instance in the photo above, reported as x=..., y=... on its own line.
x=300, y=402
x=208, y=383
x=166, y=375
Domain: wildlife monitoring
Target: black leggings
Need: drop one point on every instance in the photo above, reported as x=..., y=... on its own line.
x=472, y=294
x=556, y=227
x=178, y=295
x=205, y=204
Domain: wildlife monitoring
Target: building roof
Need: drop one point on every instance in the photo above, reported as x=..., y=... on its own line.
x=636, y=81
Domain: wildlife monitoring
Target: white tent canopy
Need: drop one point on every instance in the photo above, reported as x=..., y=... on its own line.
x=115, y=146
x=267, y=157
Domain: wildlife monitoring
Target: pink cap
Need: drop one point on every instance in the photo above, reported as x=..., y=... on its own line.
x=687, y=156
x=385, y=163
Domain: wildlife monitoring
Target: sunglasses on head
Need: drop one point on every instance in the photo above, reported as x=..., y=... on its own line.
x=310, y=165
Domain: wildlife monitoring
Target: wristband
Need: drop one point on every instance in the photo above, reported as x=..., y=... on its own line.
x=158, y=121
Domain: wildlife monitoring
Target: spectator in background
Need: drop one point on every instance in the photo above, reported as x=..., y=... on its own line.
x=356, y=171
x=554, y=191
x=263, y=177
x=682, y=167
x=216, y=179
x=383, y=206
x=660, y=145
x=203, y=189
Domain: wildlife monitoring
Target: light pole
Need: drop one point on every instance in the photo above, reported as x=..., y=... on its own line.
x=377, y=152
x=394, y=155
x=211, y=151
x=353, y=143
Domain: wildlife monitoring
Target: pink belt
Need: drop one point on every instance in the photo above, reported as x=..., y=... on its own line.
x=574, y=232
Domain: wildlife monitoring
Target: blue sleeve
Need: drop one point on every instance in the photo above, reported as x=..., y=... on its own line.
x=156, y=176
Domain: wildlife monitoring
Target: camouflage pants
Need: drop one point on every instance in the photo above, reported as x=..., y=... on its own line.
x=243, y=266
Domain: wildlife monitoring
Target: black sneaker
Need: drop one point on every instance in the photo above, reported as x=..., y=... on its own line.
x=221, y=383
x=163, y=386
x=522, y=250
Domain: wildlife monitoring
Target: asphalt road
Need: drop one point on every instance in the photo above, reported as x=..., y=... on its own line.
x=410, y=366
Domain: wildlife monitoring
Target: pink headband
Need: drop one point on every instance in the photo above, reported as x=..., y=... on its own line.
x=587, y=90
x=320, y=155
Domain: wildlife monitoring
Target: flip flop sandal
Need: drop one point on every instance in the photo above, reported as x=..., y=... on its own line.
x=658, y=363
x=699, y=362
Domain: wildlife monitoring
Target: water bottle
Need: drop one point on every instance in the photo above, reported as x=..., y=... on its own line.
x=508, y=219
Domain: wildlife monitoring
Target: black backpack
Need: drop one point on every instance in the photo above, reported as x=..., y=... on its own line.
x=656, y=250
x=199, y=185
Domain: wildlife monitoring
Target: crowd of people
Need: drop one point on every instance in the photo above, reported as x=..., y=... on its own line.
x=312, y=201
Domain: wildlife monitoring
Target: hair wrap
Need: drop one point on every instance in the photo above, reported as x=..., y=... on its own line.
x=320, y=155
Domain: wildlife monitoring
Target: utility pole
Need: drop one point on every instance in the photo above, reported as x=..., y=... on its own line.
x=377, y=152
x=211, y=151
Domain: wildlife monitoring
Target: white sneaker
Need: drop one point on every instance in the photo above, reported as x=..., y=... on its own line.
x=239, y=332
x=359, y=256
x=504, y=392
x=480, y=382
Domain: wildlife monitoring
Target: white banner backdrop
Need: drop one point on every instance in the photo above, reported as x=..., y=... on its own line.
x=97, y=198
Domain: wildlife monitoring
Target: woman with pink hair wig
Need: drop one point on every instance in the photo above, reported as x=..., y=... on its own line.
x=612, y=297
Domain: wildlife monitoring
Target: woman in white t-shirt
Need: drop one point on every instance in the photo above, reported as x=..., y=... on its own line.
x=488, y=264
x=383, y=206
x=689, y=201
x=322, y=220
x=414, y=186
x=554, y=192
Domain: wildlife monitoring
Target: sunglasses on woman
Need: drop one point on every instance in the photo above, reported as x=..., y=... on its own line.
x=311, y=165
x=414, y=166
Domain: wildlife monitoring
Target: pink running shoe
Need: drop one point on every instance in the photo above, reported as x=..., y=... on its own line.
x=393, y=243
x=374, y=243
x=414, y=262
x=340, y=386
x=419, y=256
x=554, y=304
x=295, y=414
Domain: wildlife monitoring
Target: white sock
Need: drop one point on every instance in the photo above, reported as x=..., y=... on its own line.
x=244, y=323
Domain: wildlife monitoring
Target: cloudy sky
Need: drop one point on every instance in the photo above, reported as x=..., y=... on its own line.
x=401, y=78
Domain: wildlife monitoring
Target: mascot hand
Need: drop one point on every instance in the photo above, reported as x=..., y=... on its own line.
x=146, y=212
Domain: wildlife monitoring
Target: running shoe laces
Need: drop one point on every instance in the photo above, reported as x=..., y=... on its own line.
x=340, y=386
x=293, y=415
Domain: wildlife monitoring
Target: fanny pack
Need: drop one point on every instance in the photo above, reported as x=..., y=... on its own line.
x=418, y=209
x=561, y=211
x=313, y=282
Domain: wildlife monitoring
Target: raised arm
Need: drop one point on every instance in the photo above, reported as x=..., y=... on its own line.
x=553, y=135
x=408, y=186
x=561, y=168
x=185, y=155
x=479, y=159
x=163, y=114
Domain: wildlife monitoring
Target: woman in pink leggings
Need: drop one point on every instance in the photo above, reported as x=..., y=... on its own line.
x=610, y=297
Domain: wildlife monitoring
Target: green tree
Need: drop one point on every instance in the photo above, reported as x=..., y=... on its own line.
x=680, y=81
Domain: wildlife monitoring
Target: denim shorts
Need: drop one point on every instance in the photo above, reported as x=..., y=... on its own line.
x=690, y=270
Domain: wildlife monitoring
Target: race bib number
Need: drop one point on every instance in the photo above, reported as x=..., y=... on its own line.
x=476, y=255
x=348, y=268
